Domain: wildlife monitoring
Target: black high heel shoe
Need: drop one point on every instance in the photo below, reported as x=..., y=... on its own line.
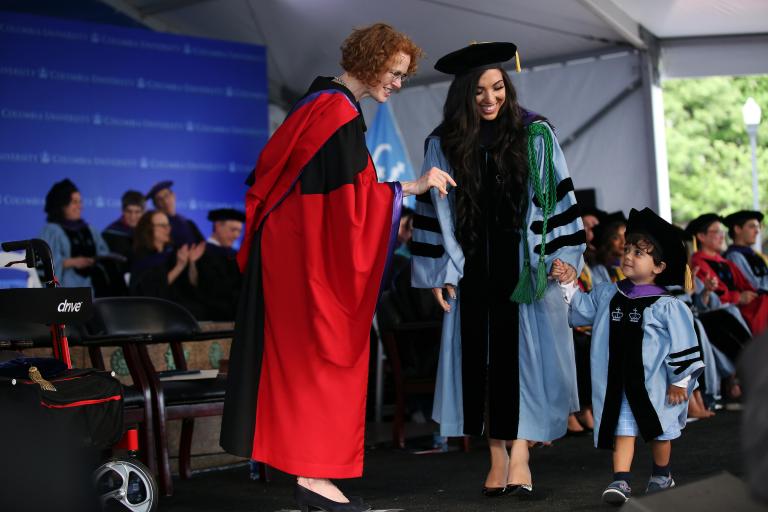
x=520, y=490
x=308, y=501
x=494, y=492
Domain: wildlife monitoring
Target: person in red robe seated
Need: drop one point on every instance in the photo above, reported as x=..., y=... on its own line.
x=730, y=284
x=320, y=230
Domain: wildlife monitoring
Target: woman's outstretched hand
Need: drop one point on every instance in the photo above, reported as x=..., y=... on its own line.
x=434, y=177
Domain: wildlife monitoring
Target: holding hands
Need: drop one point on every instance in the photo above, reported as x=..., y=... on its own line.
x=562, y=272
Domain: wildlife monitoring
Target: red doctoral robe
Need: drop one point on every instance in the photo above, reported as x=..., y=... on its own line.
x=319, y=233
x=730, y=283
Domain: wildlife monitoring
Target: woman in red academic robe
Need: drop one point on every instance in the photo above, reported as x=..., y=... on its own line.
x=731, y=285
x=319, y=232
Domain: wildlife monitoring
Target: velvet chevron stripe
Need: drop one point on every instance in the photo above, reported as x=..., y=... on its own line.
x=576, y=238
x=426, y=223
x=556, y=221
x=427, y=250
x=424, y=198
x=683, y=365
x=687, y=352
x=563, y=188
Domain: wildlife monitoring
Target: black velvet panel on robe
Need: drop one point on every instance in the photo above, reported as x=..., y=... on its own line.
x=238, y=421
x=626, y=371
x=219, y=282
x=489, y=320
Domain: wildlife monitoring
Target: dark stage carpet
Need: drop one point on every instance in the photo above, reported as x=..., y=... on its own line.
x=568, y=476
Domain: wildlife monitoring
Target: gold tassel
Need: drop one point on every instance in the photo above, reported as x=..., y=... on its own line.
x=517, y=61
x=688, y=279
x=37, y=378
x=695, y=244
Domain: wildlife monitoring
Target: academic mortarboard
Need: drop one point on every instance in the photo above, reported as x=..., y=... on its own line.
x=477, y=56
x=226, y=214
x=740, y=217
x=592, y=210
x=701, y=223
x=157, y=188
x=668, y=240
x=606, y=221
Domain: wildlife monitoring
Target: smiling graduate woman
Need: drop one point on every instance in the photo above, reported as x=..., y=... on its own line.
x=319, y=232
x=506, y=367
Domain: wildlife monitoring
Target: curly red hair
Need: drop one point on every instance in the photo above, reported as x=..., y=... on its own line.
x=367, y=52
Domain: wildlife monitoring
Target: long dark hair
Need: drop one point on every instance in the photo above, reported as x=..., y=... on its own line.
x=144, y=234
x=460, y=141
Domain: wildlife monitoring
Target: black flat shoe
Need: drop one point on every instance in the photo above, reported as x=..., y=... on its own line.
x=494, y=492
x=310, y=501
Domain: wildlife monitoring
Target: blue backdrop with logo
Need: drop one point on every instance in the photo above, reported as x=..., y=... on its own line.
x=385, y=143
x=116, y=109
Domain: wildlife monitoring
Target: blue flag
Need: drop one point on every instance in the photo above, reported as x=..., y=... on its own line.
x=385, y=142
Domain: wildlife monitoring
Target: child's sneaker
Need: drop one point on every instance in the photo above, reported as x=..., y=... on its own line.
x=659, y=483
x=617, y=492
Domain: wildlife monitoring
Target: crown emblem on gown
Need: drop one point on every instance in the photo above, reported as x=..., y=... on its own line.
x=616, y=314
x=634, y=316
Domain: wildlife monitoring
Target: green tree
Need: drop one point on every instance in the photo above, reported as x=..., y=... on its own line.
x=710, y=166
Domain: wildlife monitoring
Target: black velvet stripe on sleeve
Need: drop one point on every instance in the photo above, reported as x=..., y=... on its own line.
x=426, y=223
x=576, y=238
x=337, y=163
x=424, y=198
x=683, y=365
x=686, y=352
x=561, y=219
x=427, y=250
x=563, y=188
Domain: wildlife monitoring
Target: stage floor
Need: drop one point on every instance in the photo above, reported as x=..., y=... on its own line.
x=569, y=476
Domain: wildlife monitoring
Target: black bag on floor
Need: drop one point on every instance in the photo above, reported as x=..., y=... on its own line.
x=86, y=403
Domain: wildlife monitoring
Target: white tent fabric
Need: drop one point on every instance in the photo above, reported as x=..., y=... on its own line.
x=622, y=155
x=698, y=57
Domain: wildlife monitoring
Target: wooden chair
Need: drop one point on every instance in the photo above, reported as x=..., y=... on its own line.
x=394, y=339
x=137, y=397
x=148, y=320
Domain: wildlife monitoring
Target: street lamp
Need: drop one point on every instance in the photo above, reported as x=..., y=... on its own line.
x=751, y=113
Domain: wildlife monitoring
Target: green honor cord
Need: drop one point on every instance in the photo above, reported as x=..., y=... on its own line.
x=546, y=194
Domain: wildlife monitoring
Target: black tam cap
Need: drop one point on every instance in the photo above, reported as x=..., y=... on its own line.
x=667, y=238
x=158, y=187
x=476, y=56
x=607, y=220
x=226, y=214
x=740, y=217
x=701, y=223
x=592, y=210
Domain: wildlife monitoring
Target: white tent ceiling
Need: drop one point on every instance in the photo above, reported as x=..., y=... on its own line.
x=303, y=36
x=567, y=47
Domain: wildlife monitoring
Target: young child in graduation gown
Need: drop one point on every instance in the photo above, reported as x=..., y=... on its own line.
x=645, y=355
